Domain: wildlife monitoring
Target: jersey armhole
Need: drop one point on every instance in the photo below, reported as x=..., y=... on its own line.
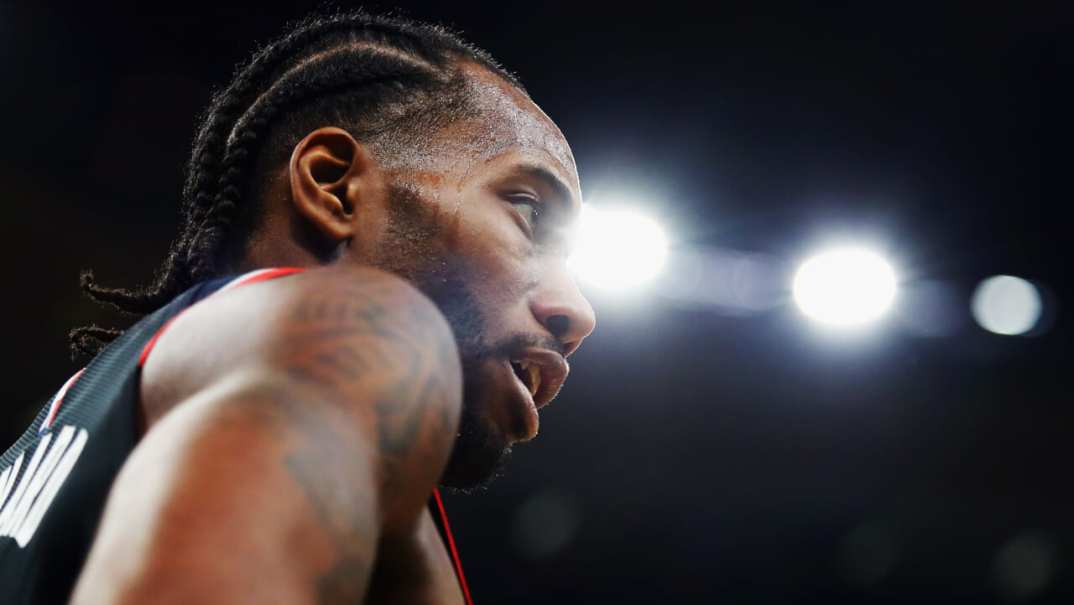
x=252, y=277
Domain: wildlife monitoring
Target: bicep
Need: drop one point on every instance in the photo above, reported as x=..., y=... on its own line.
x=252, y=491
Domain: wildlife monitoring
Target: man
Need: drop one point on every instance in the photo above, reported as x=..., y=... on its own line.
x=374, y=233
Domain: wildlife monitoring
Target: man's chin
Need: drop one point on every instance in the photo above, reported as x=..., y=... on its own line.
x=474, y=476
x=478, y=458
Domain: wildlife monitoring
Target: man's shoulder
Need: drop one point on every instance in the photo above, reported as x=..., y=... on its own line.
x=320, y=325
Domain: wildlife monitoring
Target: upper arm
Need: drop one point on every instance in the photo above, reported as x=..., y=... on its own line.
x=250, y=493
x=317, y=430
x=371, y=342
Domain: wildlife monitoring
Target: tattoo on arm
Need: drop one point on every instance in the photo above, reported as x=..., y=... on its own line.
x=313, y=462
x=352, y=343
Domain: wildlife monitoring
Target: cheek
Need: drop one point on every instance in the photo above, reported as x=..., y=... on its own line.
x=498, y=256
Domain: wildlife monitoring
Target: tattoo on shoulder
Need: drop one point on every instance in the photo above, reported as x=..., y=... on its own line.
x=356, y=341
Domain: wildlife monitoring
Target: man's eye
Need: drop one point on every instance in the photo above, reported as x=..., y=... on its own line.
x=527, y=206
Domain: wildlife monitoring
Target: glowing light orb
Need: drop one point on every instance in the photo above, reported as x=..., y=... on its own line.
x=617, y=248
x=1006, y=305
x=844, y=287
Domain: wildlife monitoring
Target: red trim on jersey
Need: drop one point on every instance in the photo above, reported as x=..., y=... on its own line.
x=454, y=551
x=153, y=341
x=262, y=275
x=57, y=401
x=249, y=278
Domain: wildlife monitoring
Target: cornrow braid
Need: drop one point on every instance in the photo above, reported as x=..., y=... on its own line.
x=379, y=77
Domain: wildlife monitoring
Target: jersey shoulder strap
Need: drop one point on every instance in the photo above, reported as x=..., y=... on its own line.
x=213, y=288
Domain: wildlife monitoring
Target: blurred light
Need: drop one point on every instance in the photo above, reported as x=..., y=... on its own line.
x=931, y=308
x=1024, y=566
x=1006, y=305
x=869, y=553
x=545, y=523
x=844, y=287
x=617, y=248
x=723, y=280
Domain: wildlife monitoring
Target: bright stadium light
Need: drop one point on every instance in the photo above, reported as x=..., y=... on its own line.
x=844, y=287
x=617, y=248
x=1006, y=305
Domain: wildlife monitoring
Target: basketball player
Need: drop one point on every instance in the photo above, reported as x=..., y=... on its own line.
x=367, y=298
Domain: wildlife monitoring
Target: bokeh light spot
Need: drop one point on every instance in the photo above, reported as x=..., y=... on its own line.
x=869, y=553
x=545, y=523
x=1024, y=566
x=844, y=287
x=617, y=248
x=1006, y=305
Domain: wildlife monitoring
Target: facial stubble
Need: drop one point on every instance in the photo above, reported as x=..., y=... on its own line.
x=414, y=248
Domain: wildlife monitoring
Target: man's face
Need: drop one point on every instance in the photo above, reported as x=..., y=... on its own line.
x=483, y=230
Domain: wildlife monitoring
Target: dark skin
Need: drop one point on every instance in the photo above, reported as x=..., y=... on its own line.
x=296, y=428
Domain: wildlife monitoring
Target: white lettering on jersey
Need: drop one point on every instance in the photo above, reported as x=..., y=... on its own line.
x=38, y=486
x=8, y=478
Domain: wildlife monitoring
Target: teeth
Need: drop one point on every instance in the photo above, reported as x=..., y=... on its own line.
x=533, y=373
x=535, y=379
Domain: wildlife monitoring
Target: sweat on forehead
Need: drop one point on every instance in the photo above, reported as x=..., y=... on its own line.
x=499, y=117
x=512, y=119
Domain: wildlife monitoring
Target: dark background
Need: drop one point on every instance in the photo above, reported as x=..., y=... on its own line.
x=695, y=456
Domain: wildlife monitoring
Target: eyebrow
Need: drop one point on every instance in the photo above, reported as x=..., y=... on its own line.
x=550, y=180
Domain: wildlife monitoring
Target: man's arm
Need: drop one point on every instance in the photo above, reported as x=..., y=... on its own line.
x=312, y=427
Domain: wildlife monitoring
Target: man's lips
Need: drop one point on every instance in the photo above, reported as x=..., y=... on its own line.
x=537, y=375
x=542, y=371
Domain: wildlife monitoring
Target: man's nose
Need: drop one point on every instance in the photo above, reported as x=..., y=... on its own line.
x=561, y=308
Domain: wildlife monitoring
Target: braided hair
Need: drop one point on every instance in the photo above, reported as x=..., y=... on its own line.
x=390, y=82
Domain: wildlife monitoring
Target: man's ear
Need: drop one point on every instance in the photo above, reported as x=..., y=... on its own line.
x=330, y=172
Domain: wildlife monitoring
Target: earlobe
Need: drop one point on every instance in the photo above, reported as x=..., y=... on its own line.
x=322, y=171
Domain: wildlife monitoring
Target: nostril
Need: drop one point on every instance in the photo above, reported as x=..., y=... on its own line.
x=558, y=325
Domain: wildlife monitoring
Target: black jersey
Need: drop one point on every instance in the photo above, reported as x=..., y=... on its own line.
x=55, y=478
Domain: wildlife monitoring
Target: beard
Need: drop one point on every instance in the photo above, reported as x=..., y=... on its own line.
x=411, y=250
x=480, y=453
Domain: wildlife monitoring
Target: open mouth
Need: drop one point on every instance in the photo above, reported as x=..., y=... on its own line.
x=539, y=374
x=530, y=375
x=542, y=372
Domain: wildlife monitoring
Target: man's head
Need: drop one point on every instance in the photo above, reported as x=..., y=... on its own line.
x=357, y=139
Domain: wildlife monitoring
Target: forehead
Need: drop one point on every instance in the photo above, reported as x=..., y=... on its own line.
x=507, y=121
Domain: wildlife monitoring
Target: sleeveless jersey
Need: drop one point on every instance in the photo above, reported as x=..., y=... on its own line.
x=55, y=479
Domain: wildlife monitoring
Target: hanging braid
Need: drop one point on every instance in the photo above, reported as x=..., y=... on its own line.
x=388, y=81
